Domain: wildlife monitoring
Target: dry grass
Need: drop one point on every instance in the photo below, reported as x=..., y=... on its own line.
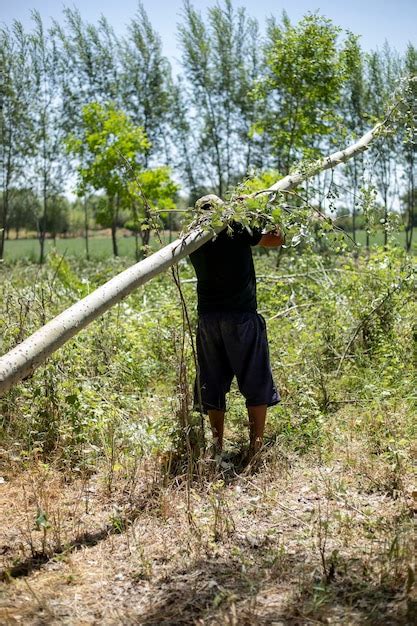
x=296, y=543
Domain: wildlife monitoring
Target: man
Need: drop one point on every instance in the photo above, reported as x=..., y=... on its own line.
x=231, y=335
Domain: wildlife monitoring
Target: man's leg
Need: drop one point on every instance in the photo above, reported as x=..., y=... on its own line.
x=215, y=374
x=217, y=427
x=257, y=417
x=247, y=349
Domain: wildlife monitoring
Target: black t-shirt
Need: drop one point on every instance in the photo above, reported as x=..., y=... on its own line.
x=225, y=272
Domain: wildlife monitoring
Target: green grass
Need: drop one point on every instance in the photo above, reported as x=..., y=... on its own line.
x=100, y=247
x=378, y=238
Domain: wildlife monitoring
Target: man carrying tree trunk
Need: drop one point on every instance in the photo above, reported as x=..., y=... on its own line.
x=231, y=335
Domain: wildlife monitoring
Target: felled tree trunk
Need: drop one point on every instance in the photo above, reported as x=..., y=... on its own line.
x=20, y=362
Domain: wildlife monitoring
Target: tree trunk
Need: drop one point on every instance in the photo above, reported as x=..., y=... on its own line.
x=410, y=206
x=113, y=214
x=2, y=240
x=4, y=216
x=385, y=218
x=22, y=360
x=170, y=226
x=137, y=251
x=87, y=248
x=43, y=221
x=6, y=195
x=42, y=248
x=355, y=192
x=114, y=237
x=410, y=222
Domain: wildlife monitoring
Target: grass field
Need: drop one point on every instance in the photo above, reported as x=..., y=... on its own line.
x=101, y=246
x=378, y=238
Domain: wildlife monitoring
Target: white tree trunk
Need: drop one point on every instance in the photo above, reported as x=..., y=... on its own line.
x=295, y=179
x=22, y=360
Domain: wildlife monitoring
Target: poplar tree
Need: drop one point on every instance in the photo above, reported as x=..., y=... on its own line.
x=219, y=75
x=409, y=147
x=186, y=149
x=383, y=75
x=354, y=112
x=16, y=141
x=301, y=88
x=47, y=163
x=145, y=82
x=89, y=64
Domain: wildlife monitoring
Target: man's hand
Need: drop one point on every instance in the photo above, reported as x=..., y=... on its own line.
x=273, y=239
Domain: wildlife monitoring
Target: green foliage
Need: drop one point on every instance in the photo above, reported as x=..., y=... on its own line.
x=17, y=142
x=111, y=152
x=152, y=188
x=220, y=60
x=342, y=342
x=146, y=89
x=108, y=140
x=301, y=88
x=345, y=341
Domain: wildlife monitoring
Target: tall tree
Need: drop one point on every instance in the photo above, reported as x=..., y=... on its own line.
x=383, y=71
x=15, y=123
x=146, y=90
x=88, y=62
x=110, y=150
x=409, y=145
x=353, y=109
x=48, y=163
x=186, y=148
x=77, y=67
x=301, y=88
x=250, y=109
x=220, y=72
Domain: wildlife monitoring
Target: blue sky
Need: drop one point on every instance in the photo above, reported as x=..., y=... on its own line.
x=375, y=20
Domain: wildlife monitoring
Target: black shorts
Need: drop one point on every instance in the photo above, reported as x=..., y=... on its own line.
x=233, y=344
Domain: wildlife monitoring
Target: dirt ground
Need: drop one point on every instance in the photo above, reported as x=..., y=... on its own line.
x=296, y=542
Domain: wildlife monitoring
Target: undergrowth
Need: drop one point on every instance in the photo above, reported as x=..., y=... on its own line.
x=343, y=344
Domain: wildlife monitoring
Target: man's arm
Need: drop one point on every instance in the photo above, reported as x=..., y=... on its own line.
x=274, y=239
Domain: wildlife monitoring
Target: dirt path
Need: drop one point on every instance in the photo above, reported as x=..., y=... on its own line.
x=295, y=543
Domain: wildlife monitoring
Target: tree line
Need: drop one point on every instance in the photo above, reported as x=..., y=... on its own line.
x=81, y=103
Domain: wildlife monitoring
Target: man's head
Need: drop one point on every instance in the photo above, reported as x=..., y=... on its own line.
x=208, y=203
